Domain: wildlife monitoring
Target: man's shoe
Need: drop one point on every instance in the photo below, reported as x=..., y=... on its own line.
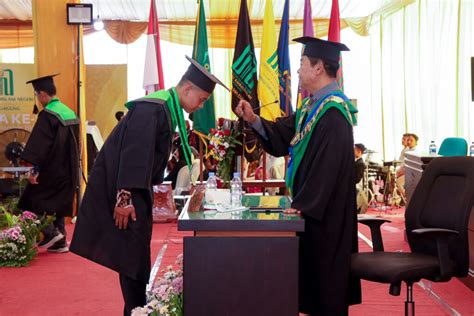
x=59, y=247
x=50, y=240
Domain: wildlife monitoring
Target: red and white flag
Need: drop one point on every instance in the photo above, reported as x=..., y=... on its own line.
x=334, y=35
x=153, y=74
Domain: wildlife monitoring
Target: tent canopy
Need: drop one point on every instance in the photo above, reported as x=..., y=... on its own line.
x=177, y=17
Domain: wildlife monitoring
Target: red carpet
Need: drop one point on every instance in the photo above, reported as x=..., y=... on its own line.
x=65, y=284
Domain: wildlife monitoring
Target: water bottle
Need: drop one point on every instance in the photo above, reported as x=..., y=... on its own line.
x=211, y=183
x=236, y=193
x=211, y=187
x=432, y=148
x=471, y=150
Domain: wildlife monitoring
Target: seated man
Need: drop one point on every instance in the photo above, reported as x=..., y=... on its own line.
x=405, y=147
x=411, y=142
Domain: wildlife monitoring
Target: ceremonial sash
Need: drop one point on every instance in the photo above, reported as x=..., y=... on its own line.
x=64, y=114
x=177, y=117
x=304, y=127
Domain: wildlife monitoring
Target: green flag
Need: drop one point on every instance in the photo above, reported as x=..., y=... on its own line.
x=205, y=118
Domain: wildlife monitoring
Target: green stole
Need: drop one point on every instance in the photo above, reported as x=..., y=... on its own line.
x=64, y=114
x=177, y=118
x=304, y=127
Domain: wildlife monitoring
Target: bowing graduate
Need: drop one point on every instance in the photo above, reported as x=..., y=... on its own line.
x=114, y=223
x=52, y=150
x=320, y=178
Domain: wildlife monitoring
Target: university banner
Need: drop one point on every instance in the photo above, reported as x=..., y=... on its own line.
x=244, y=64
x=16, y=97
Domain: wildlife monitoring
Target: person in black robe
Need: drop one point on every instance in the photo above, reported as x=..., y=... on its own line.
x=321, y=179
x=53, y=152
x=114, y=223
x=359, y=162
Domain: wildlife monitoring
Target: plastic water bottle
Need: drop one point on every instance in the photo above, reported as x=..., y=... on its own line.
x=211, y=183
x=236, y=193
x=471, y=150
x=211, y=187
x=432, y=148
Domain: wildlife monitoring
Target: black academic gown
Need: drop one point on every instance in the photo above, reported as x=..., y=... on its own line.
x=52, y=146
x=133, y=157
x=324, y=192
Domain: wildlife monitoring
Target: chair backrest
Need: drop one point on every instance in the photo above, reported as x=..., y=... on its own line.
x=183, y=181
x=443, y=198
x=453, y=146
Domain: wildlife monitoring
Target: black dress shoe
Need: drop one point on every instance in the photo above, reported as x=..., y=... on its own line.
x=50, y=240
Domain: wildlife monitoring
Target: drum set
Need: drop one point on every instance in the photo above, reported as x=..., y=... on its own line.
x=380, y=183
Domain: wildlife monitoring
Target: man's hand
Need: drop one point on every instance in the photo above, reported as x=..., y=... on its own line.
x=32, y=178
x=245, y=111
x=121, y=215
x=291, y=211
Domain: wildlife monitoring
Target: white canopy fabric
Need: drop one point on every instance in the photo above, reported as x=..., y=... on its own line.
x=185, y=10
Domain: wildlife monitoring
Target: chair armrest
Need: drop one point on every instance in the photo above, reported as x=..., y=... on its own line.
x=441, y=235
x=435, y=232
x=374, y=225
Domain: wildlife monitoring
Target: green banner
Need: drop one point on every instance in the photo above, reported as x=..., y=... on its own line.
x=205, y=118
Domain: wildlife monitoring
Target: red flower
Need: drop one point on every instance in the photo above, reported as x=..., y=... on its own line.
x=220, y=122
x=212, y=130
x=227, y=132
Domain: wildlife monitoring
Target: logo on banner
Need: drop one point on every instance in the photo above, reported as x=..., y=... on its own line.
x=245, y=69
x=6, y=82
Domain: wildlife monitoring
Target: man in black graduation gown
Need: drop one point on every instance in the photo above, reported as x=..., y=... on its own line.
x=53, y=152
x=320, y=178
x=114, y=223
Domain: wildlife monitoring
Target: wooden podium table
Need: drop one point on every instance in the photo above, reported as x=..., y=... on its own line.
x=241, y=265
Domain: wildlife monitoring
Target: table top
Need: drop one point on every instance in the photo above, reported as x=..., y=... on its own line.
x=264, y=214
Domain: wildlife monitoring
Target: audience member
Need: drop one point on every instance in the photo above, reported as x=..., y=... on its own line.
x=411, y=142
x=361, y=197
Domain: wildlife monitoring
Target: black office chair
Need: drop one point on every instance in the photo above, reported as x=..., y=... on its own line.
x=436, y=221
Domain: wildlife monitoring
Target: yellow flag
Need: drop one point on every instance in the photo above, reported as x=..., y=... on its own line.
x=268, y=83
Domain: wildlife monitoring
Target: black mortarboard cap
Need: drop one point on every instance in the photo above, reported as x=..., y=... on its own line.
x=318, y=48
x=42, y=83
x=202, y=78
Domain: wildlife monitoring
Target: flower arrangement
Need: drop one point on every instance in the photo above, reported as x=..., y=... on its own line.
x=222, y=143
x=166, y=298
x=18, y=237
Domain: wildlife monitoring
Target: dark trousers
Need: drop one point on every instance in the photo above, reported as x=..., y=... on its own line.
x=58, y=224
x=134, y=293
